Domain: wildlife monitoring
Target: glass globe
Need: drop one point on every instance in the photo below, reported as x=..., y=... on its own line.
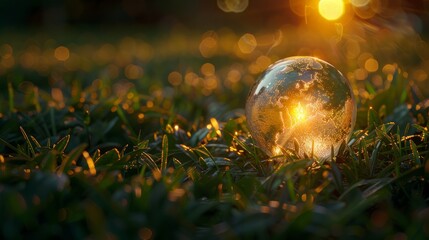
x=304, y=100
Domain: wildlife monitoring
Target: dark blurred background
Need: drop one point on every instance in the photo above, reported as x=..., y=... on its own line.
x=57, y=13
x=191, y=13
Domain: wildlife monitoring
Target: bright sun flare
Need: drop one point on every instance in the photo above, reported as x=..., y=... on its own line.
x=331, y=9
x=298, y=113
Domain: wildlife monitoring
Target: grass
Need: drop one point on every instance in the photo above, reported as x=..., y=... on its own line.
x=78, y=161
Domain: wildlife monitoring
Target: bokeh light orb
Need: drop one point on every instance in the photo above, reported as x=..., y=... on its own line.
x=331, y=9
x=301, y=100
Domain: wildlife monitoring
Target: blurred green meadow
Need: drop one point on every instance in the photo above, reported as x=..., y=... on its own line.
x=125, y=120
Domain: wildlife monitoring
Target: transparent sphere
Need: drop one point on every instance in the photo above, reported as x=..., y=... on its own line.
x=304, y=100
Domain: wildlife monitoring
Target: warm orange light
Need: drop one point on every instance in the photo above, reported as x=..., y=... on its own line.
x=90, y=163
x=175, y=78
x=247, y=43
x=236, y=6
x=359, y=3
x=331, y=9
x=277, y=150
x=208, y=46
x=371, y=65
x=62, y=53
x=133, y=71
x=298, y=113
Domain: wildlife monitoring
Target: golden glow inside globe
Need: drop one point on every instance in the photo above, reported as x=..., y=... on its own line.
x=304, y=100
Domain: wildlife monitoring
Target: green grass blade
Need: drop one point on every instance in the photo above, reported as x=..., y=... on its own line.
x=49, y=161
x=96, y=155
x=62, y=144
x=415, y=153
x=35, y=142
x=373, y=159
x=363, y=182
x=73, y=156
x=15, y=149
x=291, y=190
x=336, y=174
x=164, y=153
x=27, y=140
x=146, y=158
x=373, y=119
x=108, y=158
